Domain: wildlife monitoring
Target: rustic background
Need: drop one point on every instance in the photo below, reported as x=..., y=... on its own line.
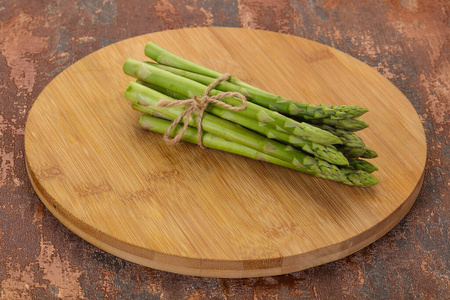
x=408, y=41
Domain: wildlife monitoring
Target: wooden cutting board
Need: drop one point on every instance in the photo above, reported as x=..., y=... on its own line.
x=209, y=213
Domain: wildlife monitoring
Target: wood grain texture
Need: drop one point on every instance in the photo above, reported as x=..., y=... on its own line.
x=405, y=40
x=209, y=213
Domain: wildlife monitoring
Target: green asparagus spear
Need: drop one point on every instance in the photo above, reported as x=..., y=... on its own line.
x=359, y=177
x=263, y=98
x=145, y=100
x=212, y=141
x=352, y=125
x=190, y=88
x=359, y=164
x=350, y=152
x=352, y=145
x=369, y=153
x=327, y=153
x=348, y=138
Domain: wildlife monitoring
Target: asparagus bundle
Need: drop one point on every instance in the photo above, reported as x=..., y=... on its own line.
x=314, y=139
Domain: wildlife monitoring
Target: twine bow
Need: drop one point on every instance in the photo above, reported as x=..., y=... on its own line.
x=199, y=104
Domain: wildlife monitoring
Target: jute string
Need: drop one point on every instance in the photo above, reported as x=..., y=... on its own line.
x=199, y=104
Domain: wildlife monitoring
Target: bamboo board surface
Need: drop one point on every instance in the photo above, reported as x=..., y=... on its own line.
x=204, y=212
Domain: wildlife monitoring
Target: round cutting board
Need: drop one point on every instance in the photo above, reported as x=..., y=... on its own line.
x=205, y=212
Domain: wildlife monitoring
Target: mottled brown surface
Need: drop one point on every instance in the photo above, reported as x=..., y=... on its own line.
x=408, y=41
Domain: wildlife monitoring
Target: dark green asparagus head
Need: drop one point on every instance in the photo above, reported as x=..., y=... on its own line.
x=359, y=178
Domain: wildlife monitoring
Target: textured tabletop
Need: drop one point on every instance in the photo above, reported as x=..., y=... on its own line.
x=407, y=41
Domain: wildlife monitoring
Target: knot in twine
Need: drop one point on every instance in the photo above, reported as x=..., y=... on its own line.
x=199, y=104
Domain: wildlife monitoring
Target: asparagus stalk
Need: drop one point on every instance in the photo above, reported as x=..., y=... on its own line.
x=348, y=138
x=263, y=98
x=352, y=125
x=351, y=153
x=352, y=145
x=369, y=153
x=215, y=142
x=359, y=177
x=145, y=100
x=327, y=153
x=190, y=88
x=359, y=164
